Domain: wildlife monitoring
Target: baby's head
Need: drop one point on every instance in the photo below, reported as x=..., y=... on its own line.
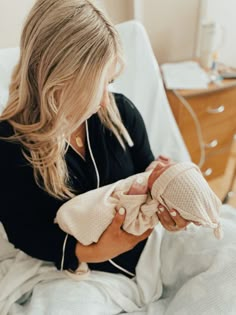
x=160, y=167
x=181, y=186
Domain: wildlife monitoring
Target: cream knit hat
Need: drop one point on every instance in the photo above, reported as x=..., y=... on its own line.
x=183, y=188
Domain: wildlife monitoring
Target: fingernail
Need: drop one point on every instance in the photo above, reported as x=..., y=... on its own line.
x=173, y=213
x=161, y=208
x=140, y=180
x=121, y=211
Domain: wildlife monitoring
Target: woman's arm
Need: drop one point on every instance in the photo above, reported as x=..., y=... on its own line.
x=88, y=215
x=113, y=242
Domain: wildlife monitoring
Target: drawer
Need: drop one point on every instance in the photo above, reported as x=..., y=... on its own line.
x=215, y=112
x=215, y=165
x=214, y=138
x=192, y=144
x=213, y=109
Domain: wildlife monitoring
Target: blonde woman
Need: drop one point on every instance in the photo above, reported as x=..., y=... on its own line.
x=62, y=134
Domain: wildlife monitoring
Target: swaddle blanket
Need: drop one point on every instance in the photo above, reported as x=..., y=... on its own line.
x=181, y=186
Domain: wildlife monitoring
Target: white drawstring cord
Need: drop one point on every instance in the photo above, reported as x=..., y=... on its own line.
x=98, y=184
x=121, y=268
x=63, y=252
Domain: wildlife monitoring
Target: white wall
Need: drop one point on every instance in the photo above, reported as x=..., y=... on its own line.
x=119, y=10
x=172, y=25
x=223, y=12
x=12, y=14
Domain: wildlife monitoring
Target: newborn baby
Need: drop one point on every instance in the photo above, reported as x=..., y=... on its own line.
x=176, y=185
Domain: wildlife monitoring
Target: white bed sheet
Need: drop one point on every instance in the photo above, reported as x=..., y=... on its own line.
x=182, y=273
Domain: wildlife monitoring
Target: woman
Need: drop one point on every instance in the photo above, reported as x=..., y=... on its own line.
x=62, y=134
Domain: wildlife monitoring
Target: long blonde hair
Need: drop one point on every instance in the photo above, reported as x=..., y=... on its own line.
x=66, y=47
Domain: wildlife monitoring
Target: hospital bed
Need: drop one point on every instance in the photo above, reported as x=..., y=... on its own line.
x=178, y=274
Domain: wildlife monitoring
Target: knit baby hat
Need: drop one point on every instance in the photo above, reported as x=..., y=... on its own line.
x=183, y=188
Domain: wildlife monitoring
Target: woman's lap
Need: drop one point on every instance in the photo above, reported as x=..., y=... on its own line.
x=70, y=297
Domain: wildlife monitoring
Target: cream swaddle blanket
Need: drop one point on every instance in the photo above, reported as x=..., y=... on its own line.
x=181, y=187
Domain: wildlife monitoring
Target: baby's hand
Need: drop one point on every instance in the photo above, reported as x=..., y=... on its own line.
x=139, y=187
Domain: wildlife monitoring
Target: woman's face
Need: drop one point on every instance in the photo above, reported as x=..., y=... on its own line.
x=109, y=77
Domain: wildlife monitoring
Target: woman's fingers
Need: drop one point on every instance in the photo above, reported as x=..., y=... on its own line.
x=118, y=220
x=165, y=218
x=180, y=222
x=171, y=221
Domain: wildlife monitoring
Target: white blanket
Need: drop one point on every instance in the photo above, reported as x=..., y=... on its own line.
x=188, y=272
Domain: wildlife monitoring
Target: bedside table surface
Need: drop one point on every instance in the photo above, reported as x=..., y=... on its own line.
x=212, y=87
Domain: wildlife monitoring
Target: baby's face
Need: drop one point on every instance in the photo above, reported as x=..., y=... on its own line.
x=158, y=170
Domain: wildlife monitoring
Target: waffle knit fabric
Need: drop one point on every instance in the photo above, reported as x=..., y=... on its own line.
x=183, y=188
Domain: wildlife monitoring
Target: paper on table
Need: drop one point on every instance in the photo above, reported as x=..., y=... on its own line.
x=184, y=75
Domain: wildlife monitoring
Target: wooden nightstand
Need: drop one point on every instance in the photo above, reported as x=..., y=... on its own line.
x=207, y=121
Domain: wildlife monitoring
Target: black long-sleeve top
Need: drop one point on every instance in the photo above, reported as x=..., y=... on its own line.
x=27, y=211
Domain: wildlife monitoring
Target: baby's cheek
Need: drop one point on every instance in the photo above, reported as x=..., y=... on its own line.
x=153, y=176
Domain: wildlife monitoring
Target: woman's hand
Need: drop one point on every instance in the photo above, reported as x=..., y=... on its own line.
x=113, y=242
x=171, y=220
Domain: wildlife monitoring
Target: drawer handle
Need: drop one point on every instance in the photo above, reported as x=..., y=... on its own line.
x=212, y=144
x=217, y=110
x=208, y=172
